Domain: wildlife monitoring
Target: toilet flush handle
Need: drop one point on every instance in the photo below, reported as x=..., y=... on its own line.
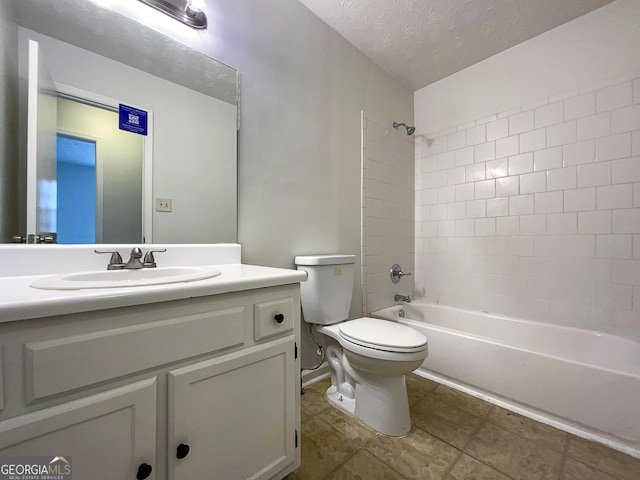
x=396, y=273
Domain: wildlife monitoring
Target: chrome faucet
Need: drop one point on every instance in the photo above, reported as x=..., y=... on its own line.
x=134, y=262
x=402, y=298
x=396, y=273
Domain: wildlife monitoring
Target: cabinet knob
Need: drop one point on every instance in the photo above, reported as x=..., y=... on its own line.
x=279, y=318
x=144, y=470
x=182, y=450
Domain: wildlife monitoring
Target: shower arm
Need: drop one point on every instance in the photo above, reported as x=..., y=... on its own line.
x=410, y=129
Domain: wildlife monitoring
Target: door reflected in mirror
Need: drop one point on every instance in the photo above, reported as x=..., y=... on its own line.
x=99, y=176
x=76, y=190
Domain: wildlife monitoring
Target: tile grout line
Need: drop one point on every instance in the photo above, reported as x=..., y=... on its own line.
x=453, y=464
x=484, y=420
x=598, y=469
x=565, y=453
x=390, y=467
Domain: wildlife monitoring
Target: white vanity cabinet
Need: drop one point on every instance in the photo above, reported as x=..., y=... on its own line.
x=200, y=388
x=233, y=416
x=113, y=432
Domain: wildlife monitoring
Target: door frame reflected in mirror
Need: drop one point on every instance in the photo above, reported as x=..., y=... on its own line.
x=101, y=101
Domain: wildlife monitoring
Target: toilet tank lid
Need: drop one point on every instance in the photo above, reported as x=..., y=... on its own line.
x=335, y=259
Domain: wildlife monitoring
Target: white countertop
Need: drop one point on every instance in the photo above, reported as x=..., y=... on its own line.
x=19, y=301
x=21, y=265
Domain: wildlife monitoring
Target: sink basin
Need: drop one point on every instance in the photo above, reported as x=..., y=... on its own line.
x=125, y=278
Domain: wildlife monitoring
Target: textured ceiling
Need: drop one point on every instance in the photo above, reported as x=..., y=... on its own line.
x=421, y=41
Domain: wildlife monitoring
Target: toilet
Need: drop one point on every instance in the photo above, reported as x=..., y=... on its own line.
x=368, y=358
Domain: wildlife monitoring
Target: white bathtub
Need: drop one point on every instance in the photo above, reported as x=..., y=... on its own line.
x=582, y=381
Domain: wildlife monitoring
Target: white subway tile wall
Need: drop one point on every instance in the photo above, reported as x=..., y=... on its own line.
x=390, y=215
x=535, y=212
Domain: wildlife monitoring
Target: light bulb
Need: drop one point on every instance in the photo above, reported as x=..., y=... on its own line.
x=193, y=7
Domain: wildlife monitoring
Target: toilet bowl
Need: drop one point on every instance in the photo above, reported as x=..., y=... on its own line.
x=374, y=372
x=368, y=358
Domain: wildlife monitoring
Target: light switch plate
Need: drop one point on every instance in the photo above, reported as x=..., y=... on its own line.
x=163, y=204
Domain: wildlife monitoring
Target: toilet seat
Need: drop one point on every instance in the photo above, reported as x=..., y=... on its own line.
x=382, y=335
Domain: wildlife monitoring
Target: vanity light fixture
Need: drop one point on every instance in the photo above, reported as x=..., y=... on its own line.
x=188, y=12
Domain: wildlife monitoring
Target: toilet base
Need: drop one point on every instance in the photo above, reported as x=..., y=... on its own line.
x=335, y=398
x=382, y=405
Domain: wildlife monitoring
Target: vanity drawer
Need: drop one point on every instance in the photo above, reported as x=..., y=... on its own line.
x=63, y=364
x=272, y=318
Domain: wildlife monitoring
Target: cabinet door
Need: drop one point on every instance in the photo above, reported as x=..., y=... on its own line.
x=108, y=435
x=236, y=413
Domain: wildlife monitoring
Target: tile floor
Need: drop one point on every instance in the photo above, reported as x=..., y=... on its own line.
x=454, y=437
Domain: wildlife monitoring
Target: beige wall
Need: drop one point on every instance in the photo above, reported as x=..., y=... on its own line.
x=303, y=88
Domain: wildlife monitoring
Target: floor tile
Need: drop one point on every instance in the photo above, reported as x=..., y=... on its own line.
x=574, y=470
x=444, y=421
x=323, y=449
x=364, y=466
x=416, y=456
x=468, y=468
x=313, y=398
x=513, y=455
x=540, y=433
x=418, y=387
x=305, y=414
x=603, y=458
x=462, y=401
x=353, y=430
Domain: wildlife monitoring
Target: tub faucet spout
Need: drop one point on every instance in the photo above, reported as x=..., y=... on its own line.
x=402, y=298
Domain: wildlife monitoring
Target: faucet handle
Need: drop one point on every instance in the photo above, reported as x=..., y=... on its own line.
x=115, y=262
x=149, y=260
x=396, y=273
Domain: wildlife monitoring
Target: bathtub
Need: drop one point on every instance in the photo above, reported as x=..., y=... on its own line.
x=584, y=382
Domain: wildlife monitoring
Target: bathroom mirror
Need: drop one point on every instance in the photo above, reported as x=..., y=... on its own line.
x=191, y=99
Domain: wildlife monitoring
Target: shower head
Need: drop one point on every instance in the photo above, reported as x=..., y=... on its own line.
x=410, y=129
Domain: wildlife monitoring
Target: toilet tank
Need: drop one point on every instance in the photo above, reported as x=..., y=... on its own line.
x=326, y=295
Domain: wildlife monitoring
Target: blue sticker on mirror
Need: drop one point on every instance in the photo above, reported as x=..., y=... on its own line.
x=133, y=120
